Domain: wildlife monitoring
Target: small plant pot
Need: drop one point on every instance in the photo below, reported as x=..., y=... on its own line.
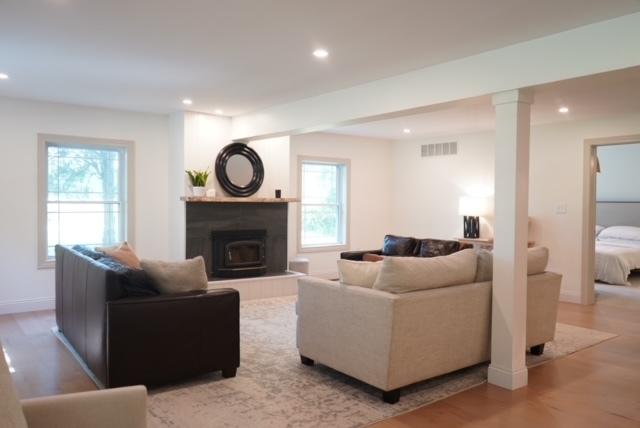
x=199, y=191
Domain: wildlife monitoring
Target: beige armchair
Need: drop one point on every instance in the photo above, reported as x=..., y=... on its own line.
x=119, y=407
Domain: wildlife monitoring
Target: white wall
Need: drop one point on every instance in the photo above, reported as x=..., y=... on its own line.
x=620, y=173
x=23, y=286
x=427, y=190
x=369, y=196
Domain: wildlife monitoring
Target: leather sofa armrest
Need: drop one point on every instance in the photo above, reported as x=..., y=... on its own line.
x=358, y=255
x=161, y=339
x=119, y=407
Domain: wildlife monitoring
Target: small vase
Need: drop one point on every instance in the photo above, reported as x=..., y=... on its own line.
x=199, y=191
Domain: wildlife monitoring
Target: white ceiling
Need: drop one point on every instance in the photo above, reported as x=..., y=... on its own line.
x=601, y=95
x=242, y=55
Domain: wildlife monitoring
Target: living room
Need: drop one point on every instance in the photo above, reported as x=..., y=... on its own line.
x=398, y=151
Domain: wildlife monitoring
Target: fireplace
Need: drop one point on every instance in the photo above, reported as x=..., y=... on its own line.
x=238, y=253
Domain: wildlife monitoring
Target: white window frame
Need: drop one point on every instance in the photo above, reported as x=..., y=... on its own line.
x=126, y=180
x=344, y=218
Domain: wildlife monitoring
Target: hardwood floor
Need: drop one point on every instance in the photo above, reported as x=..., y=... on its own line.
x=596, y=387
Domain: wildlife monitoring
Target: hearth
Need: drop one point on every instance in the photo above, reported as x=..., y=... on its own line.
x=238, y=253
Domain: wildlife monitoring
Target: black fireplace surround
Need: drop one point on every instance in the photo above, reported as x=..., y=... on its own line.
x=238, y=239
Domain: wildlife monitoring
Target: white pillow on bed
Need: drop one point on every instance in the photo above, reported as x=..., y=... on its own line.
x=625, y=233
x=599, y=229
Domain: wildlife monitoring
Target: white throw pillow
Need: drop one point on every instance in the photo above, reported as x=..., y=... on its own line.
x=177, y=277
x=361, y=274
x=626, y=233
x=405, y=274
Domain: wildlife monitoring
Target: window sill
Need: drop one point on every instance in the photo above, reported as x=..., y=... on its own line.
x=323, y=248
x=49, y=264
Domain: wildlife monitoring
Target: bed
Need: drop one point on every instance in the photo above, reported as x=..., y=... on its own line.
x=618, y=245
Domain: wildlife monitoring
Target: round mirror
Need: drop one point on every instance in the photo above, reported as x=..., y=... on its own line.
x=239, y=170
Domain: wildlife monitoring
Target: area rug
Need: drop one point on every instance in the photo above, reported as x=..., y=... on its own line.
x=272, y=389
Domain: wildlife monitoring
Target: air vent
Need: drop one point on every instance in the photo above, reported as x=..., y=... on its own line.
x=440, y=149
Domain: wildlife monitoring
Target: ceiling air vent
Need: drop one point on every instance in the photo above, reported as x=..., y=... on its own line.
x=440, y=149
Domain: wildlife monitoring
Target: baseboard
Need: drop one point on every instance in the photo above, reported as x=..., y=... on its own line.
x=570, y=298
x=27, y=305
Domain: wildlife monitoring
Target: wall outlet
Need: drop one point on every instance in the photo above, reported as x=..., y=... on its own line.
x=561, y=208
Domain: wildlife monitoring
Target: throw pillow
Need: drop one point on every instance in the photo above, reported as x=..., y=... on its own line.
x=133, y=282
x=122, y=253
x=405, y=274
x=177, y=277
x=537, y=260
x=484, y=272
x=371, y=257
x=361, y=274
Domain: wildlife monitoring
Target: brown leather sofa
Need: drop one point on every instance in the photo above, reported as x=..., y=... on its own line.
x=149, y=340
x=405, y=246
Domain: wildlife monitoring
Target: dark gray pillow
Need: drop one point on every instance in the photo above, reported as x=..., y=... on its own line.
x=134, y=282
x=86, y=251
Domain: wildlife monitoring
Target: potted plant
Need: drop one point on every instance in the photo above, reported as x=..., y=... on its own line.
x=198, y=181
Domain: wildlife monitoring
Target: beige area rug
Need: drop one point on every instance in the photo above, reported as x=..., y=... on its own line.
x=272, y=389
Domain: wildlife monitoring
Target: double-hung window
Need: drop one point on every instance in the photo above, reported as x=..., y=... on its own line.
x=323, y=187
x=84, y=193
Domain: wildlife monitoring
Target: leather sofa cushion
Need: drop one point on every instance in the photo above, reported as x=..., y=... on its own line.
x=398, y=246
x=436, y=247
x=406, y=274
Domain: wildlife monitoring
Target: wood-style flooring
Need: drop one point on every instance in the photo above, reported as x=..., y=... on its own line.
x=596, y=387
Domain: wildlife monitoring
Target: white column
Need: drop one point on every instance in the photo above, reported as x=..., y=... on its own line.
x=509, y=303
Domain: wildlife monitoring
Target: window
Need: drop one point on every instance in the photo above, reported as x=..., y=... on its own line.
x=323, y=190
x=84, y=190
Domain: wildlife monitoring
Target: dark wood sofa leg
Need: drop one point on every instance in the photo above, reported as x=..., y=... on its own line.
x=230, y=372
x=391, y=397
x=537, y=350
x=306, y=361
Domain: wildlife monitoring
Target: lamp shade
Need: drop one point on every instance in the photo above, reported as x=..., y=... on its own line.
x=472, y=206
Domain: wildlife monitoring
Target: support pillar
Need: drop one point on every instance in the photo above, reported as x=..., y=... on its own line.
x=509, y=301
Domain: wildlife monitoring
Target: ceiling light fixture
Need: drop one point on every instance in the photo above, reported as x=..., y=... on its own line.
x=187, y=102
x=4, y=76
x=406, y=131
x=563, y=110
x=320, y=53
x=218, y=111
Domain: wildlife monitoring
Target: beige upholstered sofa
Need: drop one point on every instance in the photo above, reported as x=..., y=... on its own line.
x=119, y=407
x=394, y=340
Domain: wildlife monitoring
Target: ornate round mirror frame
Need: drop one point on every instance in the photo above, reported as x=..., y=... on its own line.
x=241, y=149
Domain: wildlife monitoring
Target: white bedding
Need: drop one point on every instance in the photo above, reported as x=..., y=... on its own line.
x=615, y=259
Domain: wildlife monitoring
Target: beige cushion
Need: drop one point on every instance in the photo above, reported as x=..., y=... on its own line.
x=484, y=271
x=177, y=277
x=361, y=274
x=122, y=253
x=11, y=415
x=537, y=260
x=404, y=274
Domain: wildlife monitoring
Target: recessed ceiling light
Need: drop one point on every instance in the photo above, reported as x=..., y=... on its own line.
x=563, y=110
x=406, y=131
x=320, y=53
x=4, y=76
x=187, y=101
x=218, y=111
